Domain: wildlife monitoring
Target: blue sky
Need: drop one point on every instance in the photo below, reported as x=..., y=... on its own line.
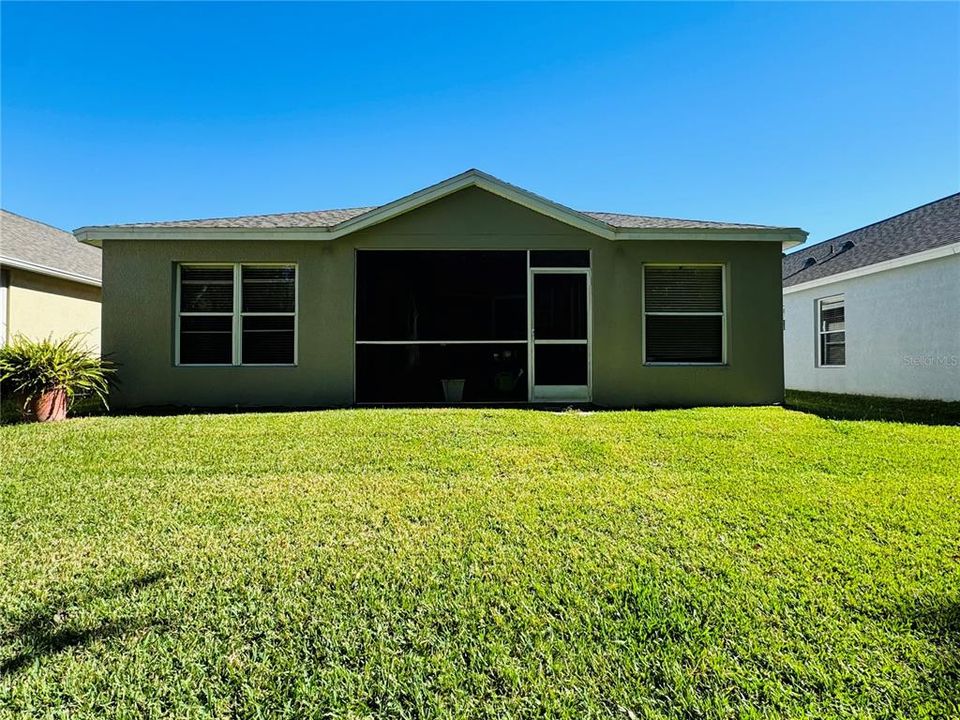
x=827, y=116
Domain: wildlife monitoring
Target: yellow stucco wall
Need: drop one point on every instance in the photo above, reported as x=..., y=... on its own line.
x=39, y=306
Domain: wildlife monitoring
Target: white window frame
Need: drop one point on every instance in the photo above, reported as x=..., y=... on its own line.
x=558, y=393
x=820, y=332
x=238, y=314
x=723, y=314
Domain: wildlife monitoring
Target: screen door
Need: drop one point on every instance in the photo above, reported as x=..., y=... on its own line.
x=560, y=334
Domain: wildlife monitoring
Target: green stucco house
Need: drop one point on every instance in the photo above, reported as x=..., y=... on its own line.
x=468, y=291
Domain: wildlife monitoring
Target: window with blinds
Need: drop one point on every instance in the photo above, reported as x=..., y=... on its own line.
x=831, y=332
x=683, y=314
x=206, y=315
x=236, y=314
x=268, y=305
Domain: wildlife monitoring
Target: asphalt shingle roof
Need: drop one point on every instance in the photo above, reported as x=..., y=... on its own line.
x=315, y=218
x=329, y=218
x=37, y=243
x=929, y=226
x=649, y=221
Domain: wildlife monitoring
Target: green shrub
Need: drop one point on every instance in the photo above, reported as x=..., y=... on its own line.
x=29, y=368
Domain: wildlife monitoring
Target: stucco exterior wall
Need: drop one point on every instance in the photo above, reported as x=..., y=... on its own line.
x=139, y=289
x=902, y=334
x=39, y=306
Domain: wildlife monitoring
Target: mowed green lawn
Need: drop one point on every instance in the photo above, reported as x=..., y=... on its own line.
x=745, y=562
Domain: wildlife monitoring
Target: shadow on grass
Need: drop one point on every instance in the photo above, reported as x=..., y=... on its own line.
x=548, y=407
x=831, y=406
x=44, y=634
x=941, y=626
x=864, y=407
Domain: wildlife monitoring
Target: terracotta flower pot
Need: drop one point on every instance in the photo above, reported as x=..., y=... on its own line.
x=48, y=406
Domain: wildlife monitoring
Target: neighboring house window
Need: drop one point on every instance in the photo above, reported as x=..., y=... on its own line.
x=236, y=314
x=684, y=320
x=831, y=332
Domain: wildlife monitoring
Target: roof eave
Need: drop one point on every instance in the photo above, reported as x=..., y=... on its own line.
x=48, y=271
x=788, y=237
x=95, y=235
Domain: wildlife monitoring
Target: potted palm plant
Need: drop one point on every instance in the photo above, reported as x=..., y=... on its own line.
x=46, y=376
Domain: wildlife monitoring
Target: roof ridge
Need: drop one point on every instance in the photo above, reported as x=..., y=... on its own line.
x=303, y=212
x=807, y=248
x=34, y=220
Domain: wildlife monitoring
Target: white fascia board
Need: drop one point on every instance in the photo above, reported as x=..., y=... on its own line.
x=788, y=237
x=95, y=235
x=48, y=271
x=922, y=256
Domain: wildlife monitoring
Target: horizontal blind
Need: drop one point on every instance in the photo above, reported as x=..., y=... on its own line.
x=268, y=301
x=684, y=314
x=683, y=289
x=831, y=316
x=684, y=338
x=269, y=289
x=268, y=339
x=206, y=339
x=833, y=349
x=206, y=289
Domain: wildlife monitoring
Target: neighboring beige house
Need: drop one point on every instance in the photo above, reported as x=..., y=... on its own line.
x=49, y=283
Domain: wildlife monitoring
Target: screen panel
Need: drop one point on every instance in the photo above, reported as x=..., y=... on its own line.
x=480, y=372
x=560, y=306
x=560, y=258
x=441, y=295
x=560, y=364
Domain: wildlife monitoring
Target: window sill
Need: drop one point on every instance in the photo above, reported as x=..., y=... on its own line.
x=683, y=364
x=231, y=365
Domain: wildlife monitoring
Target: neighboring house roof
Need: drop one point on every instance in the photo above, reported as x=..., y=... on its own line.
x=35, y=246
x=930, y=226
x=330, y=224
